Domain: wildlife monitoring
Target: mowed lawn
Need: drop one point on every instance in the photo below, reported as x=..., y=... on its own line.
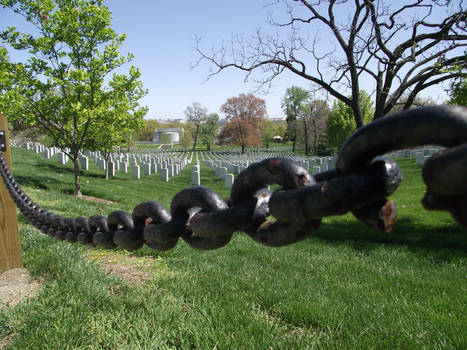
x=348, y=287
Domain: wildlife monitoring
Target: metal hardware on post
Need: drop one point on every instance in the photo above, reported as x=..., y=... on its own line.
x=2, y=141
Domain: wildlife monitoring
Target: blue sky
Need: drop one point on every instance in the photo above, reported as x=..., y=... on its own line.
x=160, y=35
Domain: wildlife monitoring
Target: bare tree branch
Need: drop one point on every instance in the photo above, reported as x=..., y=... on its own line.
x=394, y=48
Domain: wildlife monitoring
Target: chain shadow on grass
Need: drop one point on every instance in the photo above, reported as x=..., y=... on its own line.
x=440, y=243
x=443, y=243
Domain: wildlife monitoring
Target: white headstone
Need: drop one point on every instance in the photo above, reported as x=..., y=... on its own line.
x=195, y=178
x=124, y=167
x=136, y=172
x=147, y=168
x=111, y=166
x=419, y=158
x=229, y=179
x=62, y=158
x=164, y=174
x=222, y=171
x=84, y=163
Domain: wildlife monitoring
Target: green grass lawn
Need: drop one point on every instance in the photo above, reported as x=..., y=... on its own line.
x=348, y=287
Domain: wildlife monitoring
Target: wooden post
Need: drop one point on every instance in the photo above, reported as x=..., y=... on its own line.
x=10, y=249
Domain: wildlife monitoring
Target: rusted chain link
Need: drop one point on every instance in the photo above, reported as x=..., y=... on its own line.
x=361, y=183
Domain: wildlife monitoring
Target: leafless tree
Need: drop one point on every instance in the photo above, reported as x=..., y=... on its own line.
x=196, y=114
x=400, y=47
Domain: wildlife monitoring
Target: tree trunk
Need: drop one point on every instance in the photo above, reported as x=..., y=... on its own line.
x=106, y=165
x=77, y=183
x=305, y=133
x=293, y=143
x=243, y=148
x=355, y=103
x=315, y=135
x=195, y=138
x=209, y=146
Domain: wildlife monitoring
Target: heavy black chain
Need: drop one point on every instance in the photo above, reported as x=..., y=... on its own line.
x=360, y=184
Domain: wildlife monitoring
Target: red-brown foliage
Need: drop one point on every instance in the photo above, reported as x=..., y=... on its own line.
x=244, y=115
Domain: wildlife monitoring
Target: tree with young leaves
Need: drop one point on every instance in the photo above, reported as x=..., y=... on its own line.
x=312, y=123
x=243, y=115
x=397, y=46
x=209, y=130
x=186, y=140
x=122, y=116
x=268, y=131
x=149, y=126
x=65, y=86
x=458, y=93
x=294, y=100
x=196, y=114
x=341, y=122
x=5, y=79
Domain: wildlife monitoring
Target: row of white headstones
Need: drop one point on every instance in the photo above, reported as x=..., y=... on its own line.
x=225, y=164
x=166, y=164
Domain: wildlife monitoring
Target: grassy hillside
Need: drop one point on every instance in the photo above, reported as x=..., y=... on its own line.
x=347, y=287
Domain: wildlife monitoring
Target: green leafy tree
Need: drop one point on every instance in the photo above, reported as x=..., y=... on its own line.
x=281, y=129
x=209, y=130
x=122, y=116
x=5, y=79
x=148, y=129
x=293, y=103
x=165, y=139
x=459, y=92
x=65, y=86
x=186, y=139
x=341, y=122
x=268, y=131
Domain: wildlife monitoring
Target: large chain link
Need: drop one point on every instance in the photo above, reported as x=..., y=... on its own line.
x=361, y=183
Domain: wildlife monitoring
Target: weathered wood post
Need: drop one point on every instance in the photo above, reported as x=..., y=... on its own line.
x=10, y=249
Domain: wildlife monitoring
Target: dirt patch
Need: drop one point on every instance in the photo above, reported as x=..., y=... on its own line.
x=97, y=200
x=129, y=269
x=5, y=341
x=15, y=286
x=129, y=274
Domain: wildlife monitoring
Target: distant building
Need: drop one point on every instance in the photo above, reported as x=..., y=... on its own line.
x=174, y=135
x=277, y=138
x=277, y=120
x=173, y=120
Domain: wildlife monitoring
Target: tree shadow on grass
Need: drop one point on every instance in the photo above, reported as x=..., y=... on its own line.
x=40, y=182
x=60, y=169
